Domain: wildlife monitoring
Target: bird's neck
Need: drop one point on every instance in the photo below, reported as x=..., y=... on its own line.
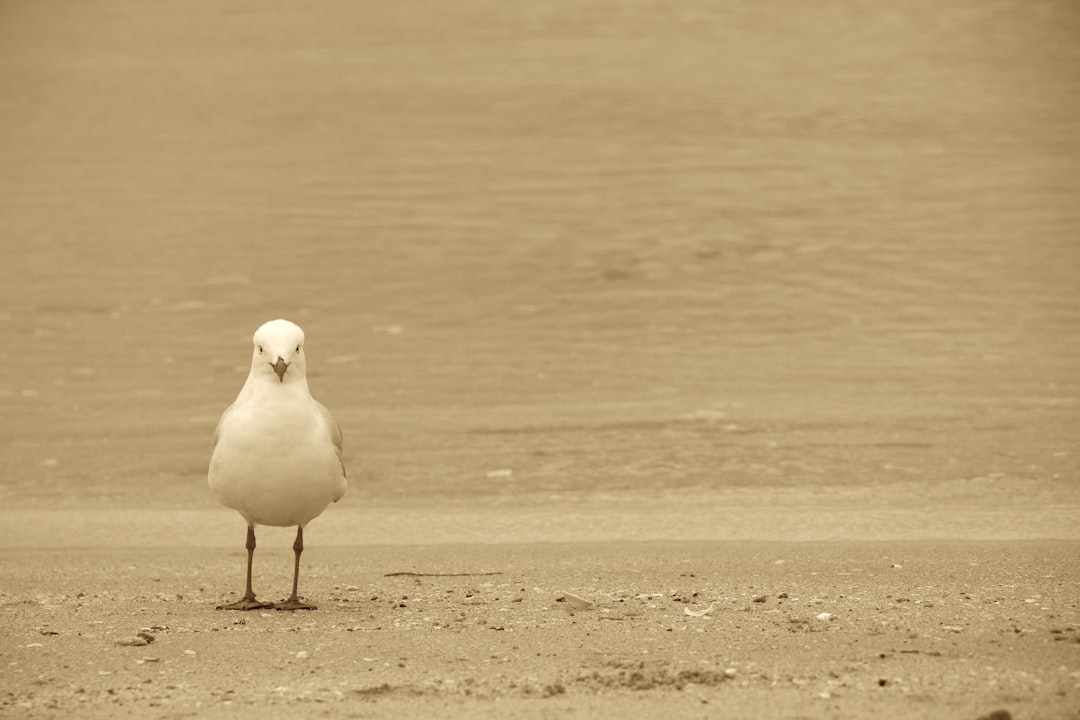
x=268, y=387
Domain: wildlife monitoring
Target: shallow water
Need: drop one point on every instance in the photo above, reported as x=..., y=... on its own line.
x=547, y=251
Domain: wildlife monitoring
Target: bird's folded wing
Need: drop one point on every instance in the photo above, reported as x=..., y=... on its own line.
x=334, y=430
x=221, y=421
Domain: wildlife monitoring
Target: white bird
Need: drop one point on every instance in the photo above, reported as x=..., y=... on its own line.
x=277, y=451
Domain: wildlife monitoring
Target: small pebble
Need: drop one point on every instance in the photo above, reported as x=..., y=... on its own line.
x=578, y=603
x=135, y=641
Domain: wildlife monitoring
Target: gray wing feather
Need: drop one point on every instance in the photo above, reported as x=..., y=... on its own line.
x=221, y=421
x=335, y=436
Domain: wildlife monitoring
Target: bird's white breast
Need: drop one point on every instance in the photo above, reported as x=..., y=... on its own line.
x=275, y=461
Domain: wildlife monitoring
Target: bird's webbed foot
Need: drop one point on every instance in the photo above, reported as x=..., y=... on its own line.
x=293, y=603
x=248, y=602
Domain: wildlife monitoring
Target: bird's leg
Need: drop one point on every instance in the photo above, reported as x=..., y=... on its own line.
x=293, y=603
x=248, y=602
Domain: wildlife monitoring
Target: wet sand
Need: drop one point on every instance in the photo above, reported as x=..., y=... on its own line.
x=623, y=301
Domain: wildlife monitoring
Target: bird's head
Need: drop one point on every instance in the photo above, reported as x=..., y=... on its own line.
x=279, y=352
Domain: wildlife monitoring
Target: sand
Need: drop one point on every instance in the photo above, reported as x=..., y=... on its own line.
x=742, y=629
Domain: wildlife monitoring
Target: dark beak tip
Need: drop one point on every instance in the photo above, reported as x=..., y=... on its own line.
x=280, y=367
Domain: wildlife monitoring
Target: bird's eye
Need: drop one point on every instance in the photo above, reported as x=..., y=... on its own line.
x=297, y=348
x=260, y=349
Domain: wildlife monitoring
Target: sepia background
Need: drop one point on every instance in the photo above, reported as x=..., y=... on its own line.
x=628, y=257
x=787, y=293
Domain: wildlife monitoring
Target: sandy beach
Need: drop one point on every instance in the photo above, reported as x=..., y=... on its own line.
x=752, y=332
x=739, y=629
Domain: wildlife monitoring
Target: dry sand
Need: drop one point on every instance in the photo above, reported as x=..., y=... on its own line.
x=729, y=629
x=769, y=310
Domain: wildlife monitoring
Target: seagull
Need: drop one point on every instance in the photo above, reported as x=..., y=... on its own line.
x=277, y=451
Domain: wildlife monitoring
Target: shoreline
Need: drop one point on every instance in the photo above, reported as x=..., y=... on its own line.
x=392, y=525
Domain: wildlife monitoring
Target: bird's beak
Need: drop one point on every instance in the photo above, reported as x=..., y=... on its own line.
x=280, y=367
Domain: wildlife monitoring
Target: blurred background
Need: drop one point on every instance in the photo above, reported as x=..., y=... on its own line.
x=548, y=252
